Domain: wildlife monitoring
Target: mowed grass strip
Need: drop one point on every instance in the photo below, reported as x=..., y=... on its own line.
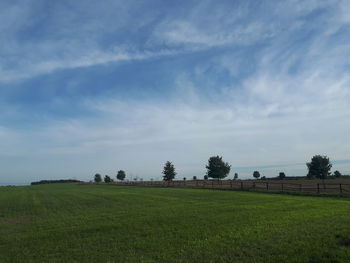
x=101, y=223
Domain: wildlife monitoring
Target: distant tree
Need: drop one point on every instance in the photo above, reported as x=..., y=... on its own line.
x=282, y=175
x=263, y=178
x=98, y=178
x=60, y=181
x=184, y=179
x=217, y=168
x=319, y=167
x=235, y=177
x=107, y=179
x=121, y=175
x=205, y=177
x=337, y=174
x=256, y=174
x=168, y=171
x=194, y=177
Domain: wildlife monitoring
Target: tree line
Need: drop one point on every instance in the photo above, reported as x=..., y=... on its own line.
x=107, y=179
x=62, y=181
x=319, y=167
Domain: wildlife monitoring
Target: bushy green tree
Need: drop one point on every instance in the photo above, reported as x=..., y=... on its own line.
x=319, y=167
x=256, y=174
x=205, y=177
x=98, y=178
x=235, y=177
x=168, y=171
x=282, y=175
x=194, y=177
x=337, y=174
x=121, y=175
x=107, y=179
x=217, y=168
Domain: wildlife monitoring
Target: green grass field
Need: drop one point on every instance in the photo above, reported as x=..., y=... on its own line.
x=101, y=223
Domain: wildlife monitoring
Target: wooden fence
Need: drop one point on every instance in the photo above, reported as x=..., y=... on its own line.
x=252, y=185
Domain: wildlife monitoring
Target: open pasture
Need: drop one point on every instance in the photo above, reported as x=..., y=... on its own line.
x=339, y=186
x=109, y=223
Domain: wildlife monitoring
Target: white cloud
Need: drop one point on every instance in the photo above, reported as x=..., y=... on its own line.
x=70, y=41
x=140, y=137
x=344, y=10
x=92, y=58
x=293, y=102
x=212, y=34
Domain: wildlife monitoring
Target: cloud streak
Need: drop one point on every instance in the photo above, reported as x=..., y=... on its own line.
x=178, y=84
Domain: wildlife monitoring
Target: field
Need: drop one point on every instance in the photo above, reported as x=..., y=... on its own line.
x=339, y=186
x=108, y=223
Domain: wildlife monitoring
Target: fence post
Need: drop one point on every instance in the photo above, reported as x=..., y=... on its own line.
x=282, y=187
x=241, y=185
x=318, y=188
x=212, y=184
x=267, y=186
x=231, y=184
x=300, y=185
x=340, y=189
x=254, y=185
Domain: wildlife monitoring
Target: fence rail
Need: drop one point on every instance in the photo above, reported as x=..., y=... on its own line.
x=247, y=185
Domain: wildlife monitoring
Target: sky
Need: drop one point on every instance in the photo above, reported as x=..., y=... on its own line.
x=99, y=86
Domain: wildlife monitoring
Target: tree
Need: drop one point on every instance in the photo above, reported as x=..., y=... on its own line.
x=184, y=178
x=121, y=175
x=319, y=167
x=194, y=177
x=168, y=171
x=205, y=177
x=256, y=174
x=337, y=174
x=107, y=179
x=98, y=178
x=235, y=177
x=217, y=168
x=282, y=175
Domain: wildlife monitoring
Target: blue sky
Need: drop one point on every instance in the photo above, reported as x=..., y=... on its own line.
x=89, y=86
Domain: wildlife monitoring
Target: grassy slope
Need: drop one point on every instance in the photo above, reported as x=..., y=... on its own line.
x=92, y=223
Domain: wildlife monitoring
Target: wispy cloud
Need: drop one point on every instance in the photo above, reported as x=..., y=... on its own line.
x=92, y=58
x=259, y=83
x=139, y=137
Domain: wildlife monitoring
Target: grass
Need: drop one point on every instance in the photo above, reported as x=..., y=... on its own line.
x=101, y=223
